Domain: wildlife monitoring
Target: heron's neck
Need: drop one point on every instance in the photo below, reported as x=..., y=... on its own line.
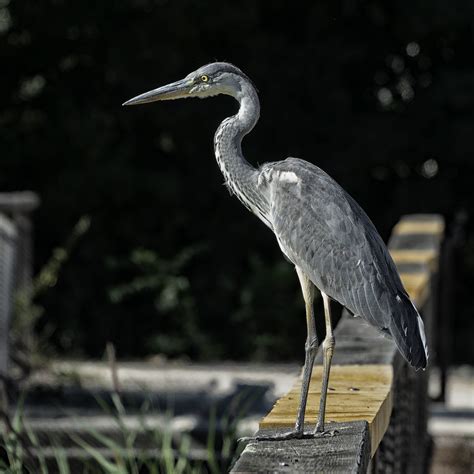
x=240, y=176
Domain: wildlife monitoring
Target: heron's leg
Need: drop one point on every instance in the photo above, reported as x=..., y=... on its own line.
x=311, y=348
x=328, y=349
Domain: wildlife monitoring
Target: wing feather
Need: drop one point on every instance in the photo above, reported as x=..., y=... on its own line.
x=324, y=231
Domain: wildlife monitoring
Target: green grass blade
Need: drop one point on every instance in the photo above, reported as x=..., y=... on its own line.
x=61, y=460
x=109, y=467
x=211, y=443
x=167, y=453
x=183, y=453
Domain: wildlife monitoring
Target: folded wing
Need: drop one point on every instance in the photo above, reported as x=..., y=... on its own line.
x=320, y=228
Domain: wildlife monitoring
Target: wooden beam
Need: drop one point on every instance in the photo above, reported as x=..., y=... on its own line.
x=408, y=255
x=416, y=239
x=368, y=376
x=8, y=241
x=19, y=202
x=8, y=235
x=348, y=451
x=419, y=227
x=417, y=286
x=356, y=392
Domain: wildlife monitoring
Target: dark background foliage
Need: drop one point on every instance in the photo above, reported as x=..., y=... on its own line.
x=379, y=94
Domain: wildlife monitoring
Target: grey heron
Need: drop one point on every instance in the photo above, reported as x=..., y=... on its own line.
x=319, y=227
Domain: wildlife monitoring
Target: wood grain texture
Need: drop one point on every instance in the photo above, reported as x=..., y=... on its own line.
x=356, y=392
x=362, y=381
x=347, y=452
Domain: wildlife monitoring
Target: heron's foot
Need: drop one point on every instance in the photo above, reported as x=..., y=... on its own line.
x=293, y=434
x=322, y=432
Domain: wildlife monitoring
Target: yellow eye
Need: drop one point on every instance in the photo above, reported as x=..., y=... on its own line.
x=204, y=78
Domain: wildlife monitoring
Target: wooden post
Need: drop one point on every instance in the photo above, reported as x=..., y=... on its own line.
x=8, y=236
x=18, y=206
x=16, y=257
x=373, y=394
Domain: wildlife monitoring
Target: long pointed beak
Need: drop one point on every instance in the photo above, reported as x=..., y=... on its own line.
x=175, y=90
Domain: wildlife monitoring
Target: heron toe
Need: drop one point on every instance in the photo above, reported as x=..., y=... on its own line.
x=321, y=433
x=288, y=435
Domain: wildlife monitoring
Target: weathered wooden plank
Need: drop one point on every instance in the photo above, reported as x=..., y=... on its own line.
x=348, y=452
x=18, y=206
x=429, y=226
x=365, y=364
x=421, y=218
x=356, y=392
x=427, y=257
x=360, y=384
x=417, y=286
x=414, y=241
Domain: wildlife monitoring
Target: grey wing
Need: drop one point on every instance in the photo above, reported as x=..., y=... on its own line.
x=324, y=231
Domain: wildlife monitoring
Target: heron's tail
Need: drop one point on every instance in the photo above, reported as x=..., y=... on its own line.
x=408, y=332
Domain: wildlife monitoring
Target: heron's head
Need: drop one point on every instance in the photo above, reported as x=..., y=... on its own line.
x=209, y=80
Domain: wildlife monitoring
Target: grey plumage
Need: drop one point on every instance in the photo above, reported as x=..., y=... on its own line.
x=324, y=231
x=319, y=228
